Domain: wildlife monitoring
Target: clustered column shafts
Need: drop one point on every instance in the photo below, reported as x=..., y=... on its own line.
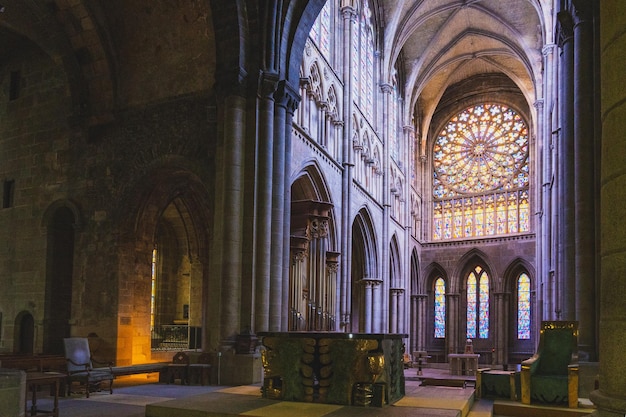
x=584, y=156
x=227, y=261
x=263, y=211
x=349, y=18
x=566, y=308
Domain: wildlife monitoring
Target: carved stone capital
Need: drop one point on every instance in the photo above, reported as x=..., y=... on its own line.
x=268, y=84
x=286, y=96
x=564, y=29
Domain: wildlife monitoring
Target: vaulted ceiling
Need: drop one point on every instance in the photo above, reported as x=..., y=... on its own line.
x=439, y=43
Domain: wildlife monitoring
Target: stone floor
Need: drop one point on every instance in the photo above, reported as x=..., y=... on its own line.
x=143, y=396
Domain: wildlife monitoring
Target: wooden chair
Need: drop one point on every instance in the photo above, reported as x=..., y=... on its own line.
x=80, y=366
x=179, y=369
x=551, y=375
x=201, y=370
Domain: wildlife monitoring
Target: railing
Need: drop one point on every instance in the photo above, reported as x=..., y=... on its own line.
x=170, y=337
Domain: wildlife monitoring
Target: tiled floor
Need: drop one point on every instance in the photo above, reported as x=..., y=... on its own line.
x=131, y=395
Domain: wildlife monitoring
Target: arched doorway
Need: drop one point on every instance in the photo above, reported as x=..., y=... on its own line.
x=59, y=276
x=24, y=333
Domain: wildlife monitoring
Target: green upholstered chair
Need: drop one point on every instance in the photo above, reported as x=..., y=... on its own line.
x=80, y=366
x=551, y=375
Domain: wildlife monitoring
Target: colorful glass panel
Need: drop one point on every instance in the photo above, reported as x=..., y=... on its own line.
x=483, y=321
x=438, y=221
x=523, y=307
x=483, y=152
x=471, y=306
x=440, y=308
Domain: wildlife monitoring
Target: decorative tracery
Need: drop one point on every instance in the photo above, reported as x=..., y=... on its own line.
x=481, y=174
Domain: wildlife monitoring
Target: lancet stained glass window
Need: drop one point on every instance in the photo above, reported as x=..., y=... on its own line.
x=523, y=307
x=480, y=174
x=440, y=308
x=478, y=304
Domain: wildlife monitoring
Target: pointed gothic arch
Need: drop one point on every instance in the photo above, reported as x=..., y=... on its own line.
x=364, y=271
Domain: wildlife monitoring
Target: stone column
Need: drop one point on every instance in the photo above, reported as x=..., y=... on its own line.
x=567, y=261
x=277, y=209
x=609, y=399
x=297, y=300
x=584, y=153
x=386, y=90
x=368, y=304
x=263, y=202
x=394, y=316
x=332, y=266
x=452, y=322
x=349, y=18
x=414, y=323
x=422, y=303
x=290, y=100
x=546, y=256
x=225, y=277
x=502, y=325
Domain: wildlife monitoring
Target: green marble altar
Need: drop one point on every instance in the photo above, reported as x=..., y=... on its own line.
x=333, y=368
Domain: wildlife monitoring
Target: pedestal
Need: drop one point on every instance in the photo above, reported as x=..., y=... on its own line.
x=463, y=363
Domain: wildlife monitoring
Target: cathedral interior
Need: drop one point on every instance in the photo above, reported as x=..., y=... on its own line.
x=186, y=174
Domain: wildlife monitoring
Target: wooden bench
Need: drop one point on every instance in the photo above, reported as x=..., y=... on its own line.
x=142, y=368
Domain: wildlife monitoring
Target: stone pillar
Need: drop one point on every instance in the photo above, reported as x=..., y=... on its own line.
x=367, y=313
x=349, y=18
x=609, y=399
x=567, y=261
x=502, y=325
x=226, y=260
x=546, y=255
x=332, y=266
x=584, y=153
x=452, y=322
x=394, y=316
x=290, y=100
x=386, y=90
x=263, y=202
x=414, y=324
x=422, y=337
x=297, y=299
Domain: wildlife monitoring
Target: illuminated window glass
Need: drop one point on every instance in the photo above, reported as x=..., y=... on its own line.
x=153, y=287
x=440, y=308
x=482, y=154
x=363, y=61
x=320, y=31
x=478, y=304
x=523, y=307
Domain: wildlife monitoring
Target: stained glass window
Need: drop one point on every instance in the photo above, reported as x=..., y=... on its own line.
x=363, y=61
x=153, y=277
x=440, y=308
x=480, y=160
x=523, y=307
x=478, y=304
x=320, y=31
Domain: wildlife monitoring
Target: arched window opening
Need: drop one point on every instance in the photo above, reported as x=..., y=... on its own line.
x=523, y=307
x=440, y=308
x=478, y=304
x=320, y=31
x=363, y=61
x=480, y=174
